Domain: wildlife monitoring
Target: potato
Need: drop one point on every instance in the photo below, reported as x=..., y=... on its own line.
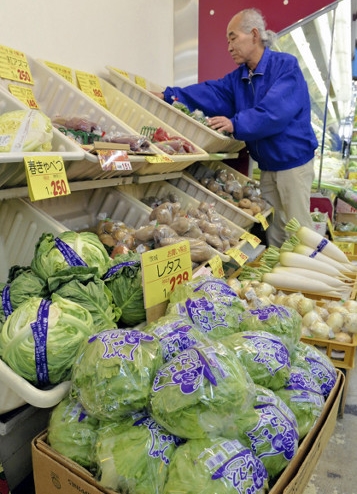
x=244, y=203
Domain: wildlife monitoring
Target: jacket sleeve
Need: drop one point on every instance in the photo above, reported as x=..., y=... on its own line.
x=213, y=97
x=286, y=98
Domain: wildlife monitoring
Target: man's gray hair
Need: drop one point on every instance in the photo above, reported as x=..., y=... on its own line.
x=253, y=18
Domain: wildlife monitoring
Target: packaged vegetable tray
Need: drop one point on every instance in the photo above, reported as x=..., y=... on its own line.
x=206, y=138
x=21, y=227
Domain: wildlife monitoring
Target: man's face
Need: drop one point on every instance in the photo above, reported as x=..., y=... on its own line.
x=240, y=45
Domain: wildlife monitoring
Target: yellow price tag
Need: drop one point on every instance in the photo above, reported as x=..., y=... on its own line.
x=46, y=177
x=140, y=81
x=90, y=85
x=24, y=94
x=122, y=72
x=63, y=71
x=163, y=269
x=262, y=219
x=237, y=255
x=114, y=159
x=14, y=65
x=159, y=158
x=216, y=266
x=347, y=247
x=251, y=239
x=330, y=228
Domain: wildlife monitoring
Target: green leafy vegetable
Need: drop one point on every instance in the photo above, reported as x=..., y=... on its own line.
x=264, y=355
x=43, y=353
x=69, y=249
x=202, y=391
x=124, y=280
x=215, y=466
x=73, y=433
x=114, y=371
x=134, y=454
x=203, y=286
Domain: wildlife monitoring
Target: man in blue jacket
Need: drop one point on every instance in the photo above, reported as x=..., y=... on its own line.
x=264, y=102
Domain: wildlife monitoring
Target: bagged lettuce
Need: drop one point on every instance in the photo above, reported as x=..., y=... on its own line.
x=317, y=363
x=73, y=433
x=274, y=436
x=303, y=396
x=175, y=334
x=134, y=454
x=69, y=249
x=279, y=320
x=214, y=288
x=113, y=372
x=215, y=466
x=203, y=391
x=214, y=318
x=124, y=280
x=40, y=339
x=264, y=355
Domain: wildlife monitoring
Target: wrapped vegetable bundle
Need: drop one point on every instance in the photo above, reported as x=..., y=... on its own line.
x=264, y=355
x=214, y=318
x=203, y=391
x=215, y=466
x=279, y=320
x=175, y=334
x=317, y=364
x=114, y=371
x=124, y=280
x=303, y=396
x=274, y=436
x=40, y=339
x=134, y=454
x=214, y=288
x=69, y=249
x=73, y=433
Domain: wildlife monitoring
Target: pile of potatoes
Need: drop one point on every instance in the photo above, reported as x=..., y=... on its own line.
x=247, y=197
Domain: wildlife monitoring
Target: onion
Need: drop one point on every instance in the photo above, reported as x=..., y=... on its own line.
x=343, y=337
x=350, y=305
x=320, y=329
x=310, y=317
x=350, y=323
x=335, y=321
x=305, y=305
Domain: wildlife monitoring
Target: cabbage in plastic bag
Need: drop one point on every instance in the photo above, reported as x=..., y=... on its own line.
x=303, y=396
x=274, y=436
x=40, y=339
x=317, y=363
x=264, y=355
x=73, y=433
x=114, y=370
x=203, y=391
x=279, y=320
x=215, y=466
x=213, y=288
x=133, y=454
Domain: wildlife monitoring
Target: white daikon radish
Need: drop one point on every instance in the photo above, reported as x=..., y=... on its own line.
x=329, y=280
x=299, y=283
x=310, y=252
x=299, y=261
x=316, y=241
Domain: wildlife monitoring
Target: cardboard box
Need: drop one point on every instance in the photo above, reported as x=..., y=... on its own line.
x=343, y=207
x=55, y=474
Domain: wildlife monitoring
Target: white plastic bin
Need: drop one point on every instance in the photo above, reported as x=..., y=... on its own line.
x=21, y=227
x=209, y=140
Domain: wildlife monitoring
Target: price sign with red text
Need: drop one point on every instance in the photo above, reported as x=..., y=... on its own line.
x=61, y=70
x=251, y=239
x=24, y=94
x=46, y=177
x=14, y=65
x=90, y=85
x=122, y=72
x=216, y=266
x=159, y=158
x=262, y=220
x=237, y=255
x=113, y=159
x=163, y=269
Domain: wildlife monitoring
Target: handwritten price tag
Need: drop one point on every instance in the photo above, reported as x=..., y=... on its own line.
x=347, y=247
x=216, y=266
x=46, y=177
x=251, y=239
x=24, y=94
x=63, y=71
x=14, y=65
x=90, y=85
x=163, y=269
x=262, y=219
x=238, y=256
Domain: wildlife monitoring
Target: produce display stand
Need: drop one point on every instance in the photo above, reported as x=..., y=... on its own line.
x=53, y=470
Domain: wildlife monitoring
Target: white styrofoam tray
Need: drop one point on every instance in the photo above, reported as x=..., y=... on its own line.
x=21, y=227
x=137, y=117
x=209, y=140
x=12, y=170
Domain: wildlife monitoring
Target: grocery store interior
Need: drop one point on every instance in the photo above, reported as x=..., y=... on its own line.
x=104, y=167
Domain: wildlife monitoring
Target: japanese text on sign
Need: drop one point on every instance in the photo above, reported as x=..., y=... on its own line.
x=14, y=65
x=46, y=177
x=164, y=269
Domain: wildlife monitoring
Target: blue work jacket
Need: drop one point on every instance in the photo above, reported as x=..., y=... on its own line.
x=270, y=110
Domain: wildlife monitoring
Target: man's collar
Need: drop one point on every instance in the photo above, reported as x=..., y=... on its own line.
x=260, y=69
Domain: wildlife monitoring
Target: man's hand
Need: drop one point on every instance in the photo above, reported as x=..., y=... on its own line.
x=221, y=124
